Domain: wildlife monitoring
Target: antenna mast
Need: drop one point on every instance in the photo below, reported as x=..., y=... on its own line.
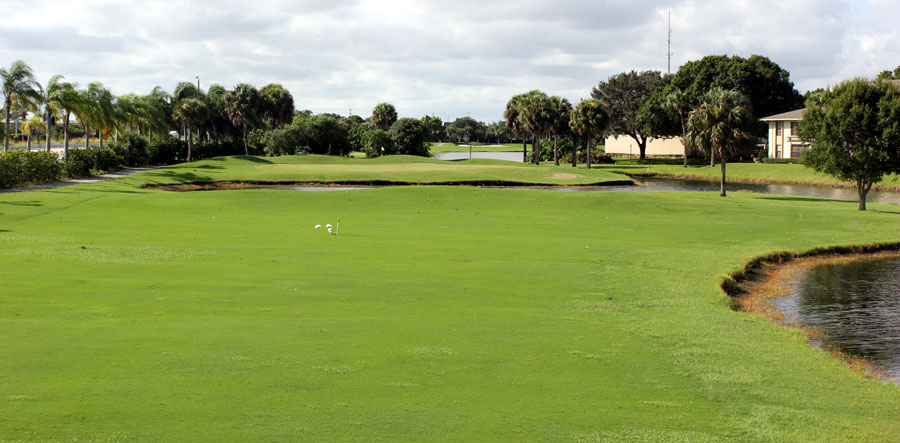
x=669, y=47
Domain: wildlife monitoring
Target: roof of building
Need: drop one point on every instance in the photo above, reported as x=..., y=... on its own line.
x=795, y=115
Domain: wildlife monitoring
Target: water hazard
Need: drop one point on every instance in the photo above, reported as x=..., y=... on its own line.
x=856, y=304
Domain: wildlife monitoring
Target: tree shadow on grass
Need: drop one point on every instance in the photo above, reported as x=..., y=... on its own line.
x=803, y=199
x=249, y=158
x=25, y=203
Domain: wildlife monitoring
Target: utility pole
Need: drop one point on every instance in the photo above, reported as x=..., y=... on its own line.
x=669, y=47
x=198, y=82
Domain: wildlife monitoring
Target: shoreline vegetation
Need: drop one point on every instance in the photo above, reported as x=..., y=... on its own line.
x=755, y=287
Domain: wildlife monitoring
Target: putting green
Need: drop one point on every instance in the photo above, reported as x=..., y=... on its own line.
x=438, y=313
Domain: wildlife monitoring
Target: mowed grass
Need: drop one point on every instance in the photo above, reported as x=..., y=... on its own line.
x=438, y=148
x=400, y=168
x=748, y=172
x=438, y=313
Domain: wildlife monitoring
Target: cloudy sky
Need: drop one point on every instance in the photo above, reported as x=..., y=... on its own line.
x=448, y=58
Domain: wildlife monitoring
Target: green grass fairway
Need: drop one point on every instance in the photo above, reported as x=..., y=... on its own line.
x=437, y=314
x=439, y=148
x=395, y=168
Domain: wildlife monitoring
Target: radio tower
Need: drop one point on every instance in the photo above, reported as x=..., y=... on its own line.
x=669, y=46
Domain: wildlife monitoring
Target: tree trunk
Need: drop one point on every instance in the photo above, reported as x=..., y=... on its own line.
x=575, y=152
x=535, y=153
x=244, y=131
x=863, y=191
x=66, y=137
x=555, y=153
x=524, y=150
x=29, y=139
x=722, y=161
x=100, y=136
x=49, y=125
x=149, y=136
x=6, y=129
x=588, y=153
x=87, y=135
x=712, y=158
x=683, y=137
x=190, y=142
x=642, y=146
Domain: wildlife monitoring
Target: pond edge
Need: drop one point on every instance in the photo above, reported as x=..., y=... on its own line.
x=754, y=287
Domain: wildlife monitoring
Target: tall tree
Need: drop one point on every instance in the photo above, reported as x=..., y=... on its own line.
x=64, y=97
x=536, y=115
x=194, y=112
x=624, y=95
x=103, y=112
x=560, y=112
x=722, y=122
x=383, y=116
x=242, y=107
x=512, y=115
x=434, y=128
x=854, y=132
x=679, y=102
x=588, y=119
x=18, y=84
x=276, y=106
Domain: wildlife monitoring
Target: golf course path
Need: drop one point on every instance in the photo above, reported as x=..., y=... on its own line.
x=78, y=181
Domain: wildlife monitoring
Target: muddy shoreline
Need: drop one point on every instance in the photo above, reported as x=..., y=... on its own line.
x=760, y=181
x=234, y=185
x=763, y=279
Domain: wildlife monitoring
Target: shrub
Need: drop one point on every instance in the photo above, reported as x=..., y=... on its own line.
x=408, y=135
x=285, y=141
x=377, y=142
x=783, y=161
x=19, y=167
x=133, y=150
x=84, y=162
x=167, y=151
x=217, y=148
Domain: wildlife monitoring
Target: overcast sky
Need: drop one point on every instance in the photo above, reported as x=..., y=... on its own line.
x=447, y=58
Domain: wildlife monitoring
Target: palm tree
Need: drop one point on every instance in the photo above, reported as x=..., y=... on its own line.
x=242, y=107
x=64, y=97
x=277, y=105
x=678, y=101
x=85, y=111
x=536, y=119
x=157, y=108
x=103, y=112
x=560, y=110
x=18, y=85
x=383, y=116
x=720, y=124
x=194, y=112
x=588, y=119
x=514, y=123
x=28, y=127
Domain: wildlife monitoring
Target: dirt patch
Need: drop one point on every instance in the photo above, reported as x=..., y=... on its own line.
x=562, y=176
x=764, y=279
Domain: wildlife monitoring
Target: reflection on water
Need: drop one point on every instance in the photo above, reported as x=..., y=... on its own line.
x=857, y=304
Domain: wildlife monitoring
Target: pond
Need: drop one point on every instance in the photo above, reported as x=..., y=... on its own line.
x=508, y=156
x=856, y=304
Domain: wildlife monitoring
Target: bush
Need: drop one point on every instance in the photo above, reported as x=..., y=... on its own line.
x=377, y=142
x=285, y=141
x=133, y=150
x=408, y=135
x=783, y=161
x=19, y=167
x=217, y=148
x=85, y=162
x=167, y=151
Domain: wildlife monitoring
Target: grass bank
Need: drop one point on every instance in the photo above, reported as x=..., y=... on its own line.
x=439, y=148
x=438, y=313
x=749, y=173
x=398, y=168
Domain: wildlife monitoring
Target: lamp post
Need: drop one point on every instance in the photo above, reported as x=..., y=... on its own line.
x=198, y=81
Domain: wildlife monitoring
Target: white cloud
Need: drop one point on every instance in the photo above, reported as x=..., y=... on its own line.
x=435, y=57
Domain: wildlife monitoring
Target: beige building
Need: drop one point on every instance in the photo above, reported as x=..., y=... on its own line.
x=783, y=141
x=625, y=145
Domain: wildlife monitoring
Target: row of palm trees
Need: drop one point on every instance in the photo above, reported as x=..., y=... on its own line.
x=549, y=117
x=216, y=114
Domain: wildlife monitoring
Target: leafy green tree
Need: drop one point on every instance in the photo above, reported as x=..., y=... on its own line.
x=323, y=134
x=434, y=128
x=276, y=105
x=408, y=137
x=497, y=132
x=560, y=112
x=377, y=143
x=242, y=107
x=383, y=116
x=512, y=116
x=722, y=122
x=854, y=132
x=536, y=115
x=588, y=118
x=18, y=85
x=624, y=96
x=356, y=128
x=465, y=129
x=102, y=108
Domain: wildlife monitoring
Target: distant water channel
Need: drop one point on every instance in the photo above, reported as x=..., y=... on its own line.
x=856, y=304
